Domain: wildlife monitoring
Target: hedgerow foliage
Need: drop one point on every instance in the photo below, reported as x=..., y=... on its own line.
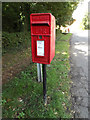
x=15, y=40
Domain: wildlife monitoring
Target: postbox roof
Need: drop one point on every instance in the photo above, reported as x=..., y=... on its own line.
x=40, y=18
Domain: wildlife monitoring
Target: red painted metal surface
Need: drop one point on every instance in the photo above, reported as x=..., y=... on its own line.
x=42, y=37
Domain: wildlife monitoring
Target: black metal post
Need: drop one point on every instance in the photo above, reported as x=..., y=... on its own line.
x=44, y=84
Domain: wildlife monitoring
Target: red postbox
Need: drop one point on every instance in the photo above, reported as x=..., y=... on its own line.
x=42, y=37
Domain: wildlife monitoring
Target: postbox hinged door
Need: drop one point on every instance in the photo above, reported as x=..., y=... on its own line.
x=42, y=37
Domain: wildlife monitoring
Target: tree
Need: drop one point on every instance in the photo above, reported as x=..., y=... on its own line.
x=10, y=16
x=16, y=16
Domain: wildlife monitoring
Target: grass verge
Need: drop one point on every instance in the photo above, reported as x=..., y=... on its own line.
x=22, y=97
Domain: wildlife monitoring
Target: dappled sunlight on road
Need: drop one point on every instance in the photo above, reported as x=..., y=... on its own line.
x=75, y=54
x=82, y=49
x=81, y=45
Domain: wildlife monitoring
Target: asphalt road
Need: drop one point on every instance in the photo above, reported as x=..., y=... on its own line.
x=79, y=73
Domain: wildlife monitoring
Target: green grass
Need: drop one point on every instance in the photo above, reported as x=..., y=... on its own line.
x=22, y=97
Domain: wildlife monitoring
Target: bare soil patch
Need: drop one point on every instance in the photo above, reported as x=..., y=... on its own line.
x=14, y=63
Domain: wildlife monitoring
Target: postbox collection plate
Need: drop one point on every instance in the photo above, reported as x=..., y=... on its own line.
x=40, y=48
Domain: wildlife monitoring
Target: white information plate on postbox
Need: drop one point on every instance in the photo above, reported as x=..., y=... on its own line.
x=40, y=48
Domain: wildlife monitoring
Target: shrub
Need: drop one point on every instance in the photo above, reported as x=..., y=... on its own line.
x=15, y=40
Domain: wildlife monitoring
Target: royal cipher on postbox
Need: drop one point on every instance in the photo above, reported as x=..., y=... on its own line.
x=42, y=37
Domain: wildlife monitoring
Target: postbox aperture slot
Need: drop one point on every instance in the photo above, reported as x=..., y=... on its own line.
x=39, y=24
